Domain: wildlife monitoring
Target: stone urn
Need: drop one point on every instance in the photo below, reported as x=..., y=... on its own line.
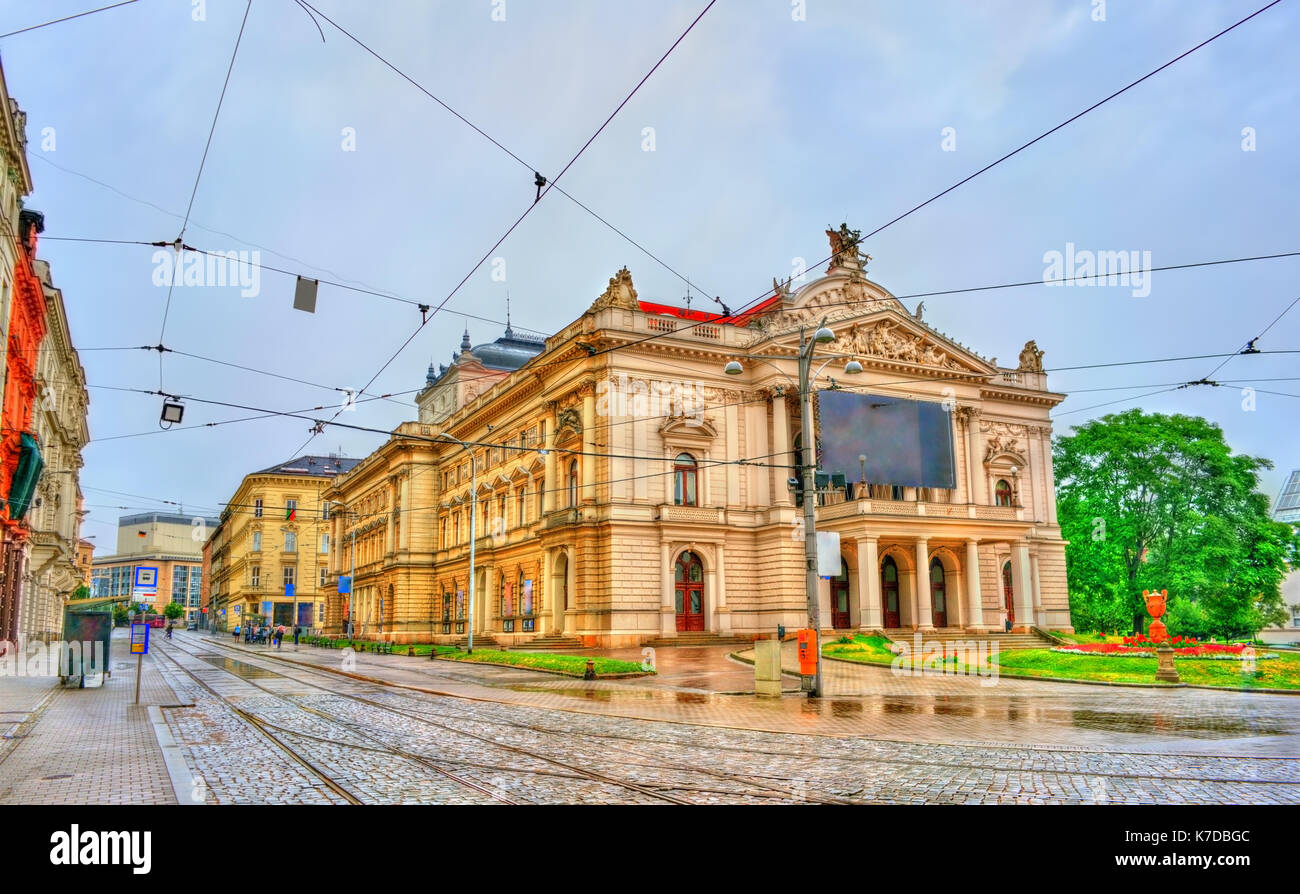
x=1165, y=670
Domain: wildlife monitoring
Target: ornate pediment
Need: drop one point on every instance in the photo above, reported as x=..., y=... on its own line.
x=619, y=293
x=890, y=339
x=690, y=425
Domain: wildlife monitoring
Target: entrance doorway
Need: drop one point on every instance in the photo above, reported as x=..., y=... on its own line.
x=689, y=578
x=1007, y=594
x=938, y=593
x=840, y=598
x=889, y=592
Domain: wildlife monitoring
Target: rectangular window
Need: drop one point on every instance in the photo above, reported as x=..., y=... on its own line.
x=290, y=542
x=255, y=576
x=325, y=543
x=324, y=576
x=1295, y=616
x=257, y=541
x=290, y=510
x=522, y=506
x=325, y=511
x=257, y=509
x=290, y=575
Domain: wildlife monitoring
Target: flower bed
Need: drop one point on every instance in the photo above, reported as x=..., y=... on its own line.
x=1141, y=647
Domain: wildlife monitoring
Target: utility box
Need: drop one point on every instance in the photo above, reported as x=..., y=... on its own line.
x=767, y=668
x=807, y=652
x=83, y=659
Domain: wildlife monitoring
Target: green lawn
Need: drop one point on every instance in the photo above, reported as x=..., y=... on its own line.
x=875, y=650
x=574, y=665
x=1282, y=672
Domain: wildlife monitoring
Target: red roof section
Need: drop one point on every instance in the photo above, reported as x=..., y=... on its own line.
x=703, y=316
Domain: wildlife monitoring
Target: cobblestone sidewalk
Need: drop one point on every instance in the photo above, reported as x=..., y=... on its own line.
x=86, y=746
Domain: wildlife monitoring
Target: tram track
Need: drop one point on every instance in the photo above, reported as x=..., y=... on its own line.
x=265, y=728
x=624, y=743
x=390, y=748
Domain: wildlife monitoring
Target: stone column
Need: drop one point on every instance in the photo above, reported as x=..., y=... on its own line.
x=488, y=599
x=588, y=443
x=870, y=611
x=572, y=584
x=551, y=486
x=722, y=614
x=404, y=541
x=1049, y=474
x=1022, y=584
x=1037, y=585
x=554, y=593
x=925, y=615
x=667, y=609
x=781, y=495
x=974, y=604
x=975, y=457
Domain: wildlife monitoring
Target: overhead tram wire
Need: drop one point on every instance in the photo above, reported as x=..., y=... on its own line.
x=302, y=414
x=66, y=18
x=197, y=178
x=766, y=293
x=542, y=194
x=1249, y=347
x=532, y=168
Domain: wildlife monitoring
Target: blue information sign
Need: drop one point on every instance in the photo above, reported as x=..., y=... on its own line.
x=139, y=639
x=345, y=583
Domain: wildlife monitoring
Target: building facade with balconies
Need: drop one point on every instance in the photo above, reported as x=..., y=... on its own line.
x=269, y=551
x=627, y=490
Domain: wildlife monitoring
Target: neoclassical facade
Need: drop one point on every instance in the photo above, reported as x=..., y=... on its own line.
x=55, y=567
x=626, y=489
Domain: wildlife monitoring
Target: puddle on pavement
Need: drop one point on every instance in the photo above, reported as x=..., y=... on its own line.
x=236, y=667
x=622, y=695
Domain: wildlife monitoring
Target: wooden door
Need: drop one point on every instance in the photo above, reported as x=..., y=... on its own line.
x=840, y=598
x=689, y=578
x=889, y=593
x=938, y=594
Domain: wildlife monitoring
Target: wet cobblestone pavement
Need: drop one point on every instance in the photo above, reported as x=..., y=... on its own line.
x=318, y=737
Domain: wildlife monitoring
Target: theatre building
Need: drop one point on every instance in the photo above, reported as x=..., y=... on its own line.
x=628, y=479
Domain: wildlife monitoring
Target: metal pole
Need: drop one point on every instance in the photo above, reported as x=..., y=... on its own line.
x=352, y=587
x=139, y=663
x=809, y=459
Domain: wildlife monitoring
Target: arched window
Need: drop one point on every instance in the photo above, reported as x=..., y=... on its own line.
x=1002, y=493
x=507, y=605
x=572, y=486
x=684, y=472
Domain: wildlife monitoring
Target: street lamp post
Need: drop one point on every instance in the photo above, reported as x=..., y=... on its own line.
x=808, y=460
x=352, y=575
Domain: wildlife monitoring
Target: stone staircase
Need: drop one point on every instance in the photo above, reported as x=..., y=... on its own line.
x=551, y=642
x=697, y=639
x=481, y=640
x=1007, y=642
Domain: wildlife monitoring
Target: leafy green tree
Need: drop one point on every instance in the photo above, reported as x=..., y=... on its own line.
x=1154, y=502
x=173, y=610
x=120, y=615
x=82, y=592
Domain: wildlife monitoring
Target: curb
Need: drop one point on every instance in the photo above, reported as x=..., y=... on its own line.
x=1076, y=681
x=183, y=781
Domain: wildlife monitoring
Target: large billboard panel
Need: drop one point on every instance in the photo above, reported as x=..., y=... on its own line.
x=907, y=443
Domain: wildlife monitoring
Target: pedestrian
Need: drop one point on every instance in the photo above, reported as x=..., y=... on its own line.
x=237, y=633
x=169, y=630
x=296, y=630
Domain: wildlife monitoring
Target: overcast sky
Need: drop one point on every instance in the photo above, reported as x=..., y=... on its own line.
x=766, y=129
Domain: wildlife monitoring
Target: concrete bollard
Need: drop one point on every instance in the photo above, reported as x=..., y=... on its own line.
x=767, y=668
